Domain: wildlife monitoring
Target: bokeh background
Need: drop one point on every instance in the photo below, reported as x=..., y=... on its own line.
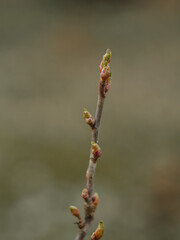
x=50, y=51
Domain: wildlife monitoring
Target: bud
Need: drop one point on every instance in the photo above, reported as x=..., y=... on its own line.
x=93, y=236
x=107, y=56
x=108, y=84
x=95, y=199
x=96, y=150
x=106, y=59
x=101, y=225
x=88, y=118
x=99, y=232
x=84, y=194
x=74, y=210
x=86, y=113
x=105, y=73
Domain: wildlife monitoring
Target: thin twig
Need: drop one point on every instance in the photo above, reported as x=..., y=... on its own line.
x=104, y=85
x=91, y=168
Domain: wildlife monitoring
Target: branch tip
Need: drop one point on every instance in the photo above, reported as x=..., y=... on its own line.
x=99, y=231
x=105, y=73
x=75, y=211
x=91, y=200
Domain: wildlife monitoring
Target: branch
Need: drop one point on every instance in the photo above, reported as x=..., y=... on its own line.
x=90, y=200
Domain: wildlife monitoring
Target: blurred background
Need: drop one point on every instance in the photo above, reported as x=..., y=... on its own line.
x=49, y=57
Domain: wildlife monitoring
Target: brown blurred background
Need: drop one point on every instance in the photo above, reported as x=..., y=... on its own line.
x=49, y=57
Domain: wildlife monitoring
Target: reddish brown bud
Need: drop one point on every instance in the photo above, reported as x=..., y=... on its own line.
x=107, y=84
x=88, y=118
x=99, y=232
x=84, y=194
x=95, y=199
x=93, y=236
x=96, y=151
x=74, y=210
x=105, y=73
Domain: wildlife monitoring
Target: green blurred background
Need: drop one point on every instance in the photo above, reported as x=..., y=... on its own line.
x=49, y=57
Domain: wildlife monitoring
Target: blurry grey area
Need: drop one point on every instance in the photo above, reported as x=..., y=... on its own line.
x=49, y=57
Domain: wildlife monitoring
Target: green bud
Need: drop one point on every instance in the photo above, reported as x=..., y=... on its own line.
x=101, y=225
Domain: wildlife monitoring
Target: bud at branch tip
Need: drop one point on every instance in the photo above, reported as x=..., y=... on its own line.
x=75, y=212
x=99, y=232
x=105, y=73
